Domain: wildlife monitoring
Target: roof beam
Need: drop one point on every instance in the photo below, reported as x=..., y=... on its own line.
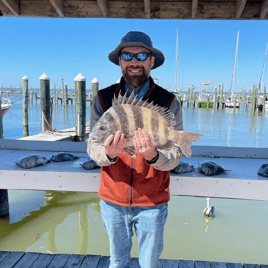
x=264, y=9
x=13, y=6
x=194, y=8
x=147, y=9
x=240, y=5
x=58, y=5
x=103, y=7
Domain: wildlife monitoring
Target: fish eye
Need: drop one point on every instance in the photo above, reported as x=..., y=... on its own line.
x=102, y=127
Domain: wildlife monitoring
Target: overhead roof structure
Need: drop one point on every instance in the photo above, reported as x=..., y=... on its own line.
x=137, y=9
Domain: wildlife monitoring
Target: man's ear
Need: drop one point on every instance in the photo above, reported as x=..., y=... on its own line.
x=152, y=61
x=119, y=60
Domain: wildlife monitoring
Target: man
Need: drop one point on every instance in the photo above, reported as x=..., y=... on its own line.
x=135, y=192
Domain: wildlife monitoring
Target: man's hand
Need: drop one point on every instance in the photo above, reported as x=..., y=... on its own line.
x=115, y=144
x=143, y=145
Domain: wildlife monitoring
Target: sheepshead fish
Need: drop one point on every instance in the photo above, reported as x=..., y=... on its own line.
x=183, y=167
x=210, y=168
x=60, y=157
x=89, y=164
x=127, y=114
x=263, y=170
x=31, y=161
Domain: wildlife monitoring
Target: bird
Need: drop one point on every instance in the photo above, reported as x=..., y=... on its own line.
x=209, y=211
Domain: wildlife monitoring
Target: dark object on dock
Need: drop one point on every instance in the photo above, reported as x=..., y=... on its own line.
x=210, y=168
x=263, y=170
x=209, y=211
x=4, y=206
x=183, y=167
x=63, y=157
x=89, y=164
x=31, y=161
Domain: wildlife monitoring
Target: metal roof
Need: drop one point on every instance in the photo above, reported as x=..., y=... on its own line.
x=137, y=9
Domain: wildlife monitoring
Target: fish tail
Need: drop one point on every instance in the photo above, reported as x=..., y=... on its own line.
x=185, y=140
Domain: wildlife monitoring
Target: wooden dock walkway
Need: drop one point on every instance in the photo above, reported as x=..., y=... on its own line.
x=41, y=260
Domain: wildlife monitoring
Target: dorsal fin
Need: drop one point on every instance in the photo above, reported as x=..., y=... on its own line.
x=133, y=100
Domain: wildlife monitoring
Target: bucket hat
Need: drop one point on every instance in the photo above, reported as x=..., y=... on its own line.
x=137, y=39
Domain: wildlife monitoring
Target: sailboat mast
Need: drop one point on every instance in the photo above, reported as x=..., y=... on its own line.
x=263, y=67
x=235, y=59
x=177, y=60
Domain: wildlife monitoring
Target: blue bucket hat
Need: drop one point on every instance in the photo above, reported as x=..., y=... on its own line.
x=137, y=39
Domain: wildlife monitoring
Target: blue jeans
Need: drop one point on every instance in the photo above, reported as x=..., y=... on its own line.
x=148, y=223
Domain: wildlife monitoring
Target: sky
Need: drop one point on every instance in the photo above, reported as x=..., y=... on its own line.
x=62, y=48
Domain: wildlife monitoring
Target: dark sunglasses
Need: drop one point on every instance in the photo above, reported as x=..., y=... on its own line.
x=141, y=56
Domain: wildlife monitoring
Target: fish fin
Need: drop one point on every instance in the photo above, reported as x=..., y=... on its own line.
x=131, y=151
x=185, y=140
x=166, y=146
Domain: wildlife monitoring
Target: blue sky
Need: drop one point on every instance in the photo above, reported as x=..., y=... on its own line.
x=62, y=48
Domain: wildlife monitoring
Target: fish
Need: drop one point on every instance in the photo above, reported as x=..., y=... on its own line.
x=210, y=168
x=183, y=167
x=89, y=164
x=263, y=170
x=60, y=157
x=32, y=160
x=127, y=114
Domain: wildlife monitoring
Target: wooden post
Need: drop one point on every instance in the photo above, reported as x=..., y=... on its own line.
x=254, y=98
x=65, y=93
x=221, y=96
x=215, y=98
x=25, y=106
x=80, y=107
x=1, y=121
x=54, y=95
x=45, y=102
x=94, y=87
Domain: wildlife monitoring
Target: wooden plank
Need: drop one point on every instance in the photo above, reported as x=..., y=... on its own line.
x=3, y=255
x=27, y=260
x=12, y=6
x=75, y=260
x=43, y=261
x=59, y=261
x=264, y=9
x=194, y=8
x=103, y=7
x=218, y=265
x=91, y=261
x=240, y=5
x=12, y=259
x=201, y=264
x=104, y=262
x=234, y=265
x=170, y=263
x=147, y=9
x=186, y=264
x=58, y=5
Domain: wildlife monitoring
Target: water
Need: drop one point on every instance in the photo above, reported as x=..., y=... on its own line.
x=68, y=222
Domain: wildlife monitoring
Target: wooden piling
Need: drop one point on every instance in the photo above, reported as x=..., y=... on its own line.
x=65, y=93
x=254, y=98
x=94, y=87
x=215, y=98
x=25, y=106
x=54, y=95
x=45, y=102
x=80, y=107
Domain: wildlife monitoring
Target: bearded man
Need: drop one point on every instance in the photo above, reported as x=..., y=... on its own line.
x=134, y=193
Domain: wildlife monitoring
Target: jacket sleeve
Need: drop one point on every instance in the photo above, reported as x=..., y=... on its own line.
x=169, y=159
x=97, y=151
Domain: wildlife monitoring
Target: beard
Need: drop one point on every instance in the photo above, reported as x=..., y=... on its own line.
x=135, y=81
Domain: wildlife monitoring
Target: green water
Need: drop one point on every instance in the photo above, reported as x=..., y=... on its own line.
x=67, y=222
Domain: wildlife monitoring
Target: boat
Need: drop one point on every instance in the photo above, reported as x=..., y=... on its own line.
x=205, y=100
x=5, y=105
x=232, y=102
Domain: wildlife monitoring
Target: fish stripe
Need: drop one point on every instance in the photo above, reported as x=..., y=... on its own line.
x=131, y=118
x=147, y=115
x=155, y=128
x=113, y=120
x=138, y=116
x=123, y=118
x=116, y=118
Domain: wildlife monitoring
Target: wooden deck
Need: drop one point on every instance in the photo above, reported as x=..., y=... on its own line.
x=40, y=260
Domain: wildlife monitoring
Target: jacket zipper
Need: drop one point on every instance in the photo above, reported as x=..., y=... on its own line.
x=131, y=182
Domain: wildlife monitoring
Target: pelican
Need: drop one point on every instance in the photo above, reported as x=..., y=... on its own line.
x=209, y=211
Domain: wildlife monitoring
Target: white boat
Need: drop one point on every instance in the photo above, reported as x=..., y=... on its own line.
x=5, y=105
x=232, y=102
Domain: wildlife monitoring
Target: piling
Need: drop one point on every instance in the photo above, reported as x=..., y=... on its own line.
x=65, y=99
x=45, y=102
x=1, y=121
x=80, y=107
x=25, y=106
x=221, y=96
x=254, y=98
x=215, y=97
x=94, y=86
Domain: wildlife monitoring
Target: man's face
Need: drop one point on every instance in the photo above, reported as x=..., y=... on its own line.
x=136, y=72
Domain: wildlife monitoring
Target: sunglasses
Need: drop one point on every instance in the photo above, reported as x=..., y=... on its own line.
x=141, y=56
